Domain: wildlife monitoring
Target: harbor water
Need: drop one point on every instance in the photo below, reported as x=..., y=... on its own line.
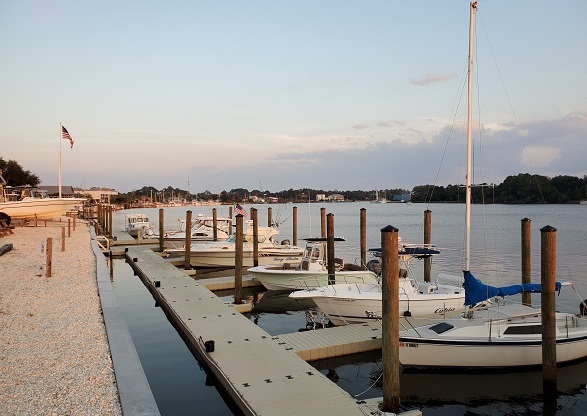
x=181, y=387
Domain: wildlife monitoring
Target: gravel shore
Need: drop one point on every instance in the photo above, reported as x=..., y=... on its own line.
x=54, y=353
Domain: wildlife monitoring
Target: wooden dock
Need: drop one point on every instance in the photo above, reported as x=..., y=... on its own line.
x=263, y=374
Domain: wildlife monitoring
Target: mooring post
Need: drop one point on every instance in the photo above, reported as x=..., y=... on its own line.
x=295, y=226
x=547, y=307
x=161, y=230
x=330, y=249
x=238, y=261
x=110, y=211
x=48, y=256
x=390, y=319
x=188, y=240
x=526, y=260
x=323, y=222
x=255, y=219
x=363, y=231
x=62, y=238
x=427, y=240
x=269, y=217
x=214, y=224
x=69, y=227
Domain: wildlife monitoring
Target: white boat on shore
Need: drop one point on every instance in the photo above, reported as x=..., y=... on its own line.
x=34, y=203
x=222, y=253
x=312, y=271
x=349, y=303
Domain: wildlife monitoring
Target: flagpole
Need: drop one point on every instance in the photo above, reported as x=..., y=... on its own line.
x=60, y=140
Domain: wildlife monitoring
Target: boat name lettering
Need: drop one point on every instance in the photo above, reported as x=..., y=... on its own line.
x=408, y=344
x=442, y=310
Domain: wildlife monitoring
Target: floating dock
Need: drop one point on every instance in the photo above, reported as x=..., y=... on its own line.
x=263, y=374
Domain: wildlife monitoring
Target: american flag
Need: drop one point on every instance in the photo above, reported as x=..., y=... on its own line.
x=240, y=210
x=65, y=135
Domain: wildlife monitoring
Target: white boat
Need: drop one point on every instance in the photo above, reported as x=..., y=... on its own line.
x=312, y=271
x=135, y=223
x=30, y=203
x=222, y=253
x=202, y=230
x=497, y=335
x=349, y=303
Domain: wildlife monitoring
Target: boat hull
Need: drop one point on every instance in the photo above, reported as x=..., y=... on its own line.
x=288, y=279
x=226, y=258
x=41, y=209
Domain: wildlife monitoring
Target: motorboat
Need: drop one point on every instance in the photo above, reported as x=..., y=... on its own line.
x=349, y=303
x=202, y=229
x=312, y=271
x=34, y=203
x=139, y=223
x=222, y=253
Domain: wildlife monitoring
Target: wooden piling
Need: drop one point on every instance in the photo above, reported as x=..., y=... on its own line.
x=547, y=306
x=238, y=261
x=215, y=224
x=295, y=226
x=255, y=219
x=161, y=229
x=110, y=211
x=48, y=256
x=363, y=232
x=269, y=217
x=323, y=222
x=188, y=240
x=69, y=227
x=330, y=248
x=62, y=238
x=390, y=319
x=526, y=259
x=427, y=240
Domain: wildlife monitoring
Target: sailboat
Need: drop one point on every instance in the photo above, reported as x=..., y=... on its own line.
x=499, y=335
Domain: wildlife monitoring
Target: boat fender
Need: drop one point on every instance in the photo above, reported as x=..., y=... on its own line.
x=407, y=314
x=583, y=308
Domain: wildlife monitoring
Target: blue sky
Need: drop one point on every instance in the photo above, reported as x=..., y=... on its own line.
x=276, y=95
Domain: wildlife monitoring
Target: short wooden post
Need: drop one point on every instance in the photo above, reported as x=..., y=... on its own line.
x=254, y=217
x=49, y=256
x=74, y=218
x=238, y=261
x=188, y=240
x=110, y=211
x=323, y=222
x=427, y=240
x=330, y=249
x=269, y=217
x=526, y=259
x=62, y=238
x=363, y=232
x=35, y=220
x=214, y=224
x=69, y=227
x=547, y=307
x=390, y=321
x=161, y=230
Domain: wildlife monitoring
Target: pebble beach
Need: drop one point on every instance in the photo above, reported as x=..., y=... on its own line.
x=54, y=353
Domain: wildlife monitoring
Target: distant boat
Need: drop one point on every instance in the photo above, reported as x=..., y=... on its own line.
x=135, y=223
x=32, y=202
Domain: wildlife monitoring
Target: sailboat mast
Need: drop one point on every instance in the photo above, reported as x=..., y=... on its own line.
x=472, y=11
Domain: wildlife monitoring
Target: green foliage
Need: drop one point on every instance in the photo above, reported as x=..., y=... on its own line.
x=15, y=175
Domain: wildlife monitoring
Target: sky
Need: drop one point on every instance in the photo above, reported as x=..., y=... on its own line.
x=276, y=95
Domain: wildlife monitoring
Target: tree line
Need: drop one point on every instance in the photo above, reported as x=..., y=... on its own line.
x=523, y=188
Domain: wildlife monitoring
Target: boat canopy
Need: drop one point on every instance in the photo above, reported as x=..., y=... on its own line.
x=476, y=292
x=411, y=250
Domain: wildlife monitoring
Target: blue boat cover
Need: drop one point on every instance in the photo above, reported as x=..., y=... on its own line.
x=476, y=292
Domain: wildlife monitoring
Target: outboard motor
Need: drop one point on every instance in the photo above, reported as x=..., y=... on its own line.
x=285, y=242
x=374, y=265
x=5, y=217
x=583, y=308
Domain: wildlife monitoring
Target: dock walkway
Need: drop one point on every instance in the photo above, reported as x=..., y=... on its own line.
x=260, y=372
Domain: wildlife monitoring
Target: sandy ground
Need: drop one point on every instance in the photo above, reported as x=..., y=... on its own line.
x=54, y=353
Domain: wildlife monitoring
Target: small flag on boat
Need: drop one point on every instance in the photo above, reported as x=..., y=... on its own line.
x=240, y=210
x=65, y=135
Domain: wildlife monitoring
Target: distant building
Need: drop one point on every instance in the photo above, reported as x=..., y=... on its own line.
x=66, y=191
x=320, y=197
x=401, y=197
x=272, y=200
x=100, y=194
x=336, y=198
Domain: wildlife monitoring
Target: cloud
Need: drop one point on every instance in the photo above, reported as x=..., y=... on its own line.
x=431, y=79
x=539, y=156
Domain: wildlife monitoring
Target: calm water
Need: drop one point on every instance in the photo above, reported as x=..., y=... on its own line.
x=181, y=387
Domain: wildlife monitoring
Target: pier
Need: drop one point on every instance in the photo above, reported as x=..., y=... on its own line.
x=263, y=374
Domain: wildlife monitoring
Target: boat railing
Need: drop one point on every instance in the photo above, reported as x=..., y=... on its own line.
x=314, y=282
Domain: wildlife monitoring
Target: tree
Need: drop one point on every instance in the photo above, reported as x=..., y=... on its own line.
x=15, y=175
